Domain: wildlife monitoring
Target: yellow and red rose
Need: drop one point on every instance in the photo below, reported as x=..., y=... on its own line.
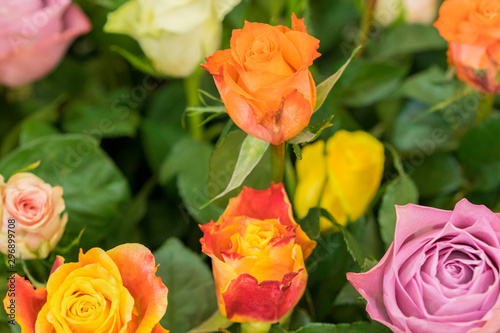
x=472, y=28
x=264, y=80
x=258, y=254
x=113, y=292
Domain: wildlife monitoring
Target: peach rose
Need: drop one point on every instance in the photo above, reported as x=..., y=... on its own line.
x=258, y=254
x=264, y=79
x=36, y=208
x=472, y=28
x=34, y=36
x=114, y=292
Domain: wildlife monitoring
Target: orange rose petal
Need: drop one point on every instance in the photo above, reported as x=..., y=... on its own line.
x=246, y=300
x=291, y=119
x=307, y=46
x=272, y=266
x=216, y=237
x=241, y=39
x=216, y=61
x=28, y=303
x=241, y=111
x=136, y=264
x=450, y=13
x=298, y=24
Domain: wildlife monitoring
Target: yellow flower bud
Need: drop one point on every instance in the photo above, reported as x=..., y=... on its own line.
x=342, y=177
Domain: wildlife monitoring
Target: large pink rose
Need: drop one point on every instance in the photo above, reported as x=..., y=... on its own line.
x=34, y=36
x=441, y=274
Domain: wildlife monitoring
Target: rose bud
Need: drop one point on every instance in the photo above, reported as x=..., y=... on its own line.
x=343, y=178
x=36, y=208
x=264, y=79
x=258, y=254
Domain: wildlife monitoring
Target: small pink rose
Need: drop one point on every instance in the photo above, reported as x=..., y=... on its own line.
x=441, y=273
x=32, y=210
x=34, y=36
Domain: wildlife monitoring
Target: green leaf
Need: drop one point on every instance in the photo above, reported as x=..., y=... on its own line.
x=479, y=154
x=33, y=129
x=311, y=132
x=189, y=160
x=310, y=224
x=430, y=86
x=252, y=150
x=353, y=246
x=423, y=136
x=191, y=290
x=212, y=324
x=161, y=130
x=93, y=186
x=366, y=82
x=400, y=191
x=107, y=117
x=401, y=39
x=222, y=165
x=324, y=88
x=438, y=174
x=356, y=327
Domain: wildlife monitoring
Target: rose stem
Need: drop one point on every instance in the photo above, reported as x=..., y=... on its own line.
x=255, y=327
x=191, y=86
x=485, y=107
x=366, y=23
x=278, y=162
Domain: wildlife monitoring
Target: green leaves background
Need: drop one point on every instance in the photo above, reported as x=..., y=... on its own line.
x=113, y=137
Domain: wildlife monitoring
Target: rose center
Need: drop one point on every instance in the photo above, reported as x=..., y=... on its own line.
x=261, y=50
x=259, y=235
x=489, y=11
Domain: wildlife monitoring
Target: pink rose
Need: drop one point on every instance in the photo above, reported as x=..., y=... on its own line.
x=441, y=273
x=36, y=208
x=34, y=36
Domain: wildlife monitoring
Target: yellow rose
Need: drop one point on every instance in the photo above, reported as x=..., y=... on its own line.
x=109, y=292
x=343, y=178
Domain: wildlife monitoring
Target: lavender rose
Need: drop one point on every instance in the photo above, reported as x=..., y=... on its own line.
x=441, y=273
x=34, y=36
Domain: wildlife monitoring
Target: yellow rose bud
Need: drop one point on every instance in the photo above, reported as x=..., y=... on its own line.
x=343, y=178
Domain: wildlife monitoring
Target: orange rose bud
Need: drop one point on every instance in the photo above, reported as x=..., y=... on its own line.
x=258, y=254
x=472, y=28
x=114, y=291
x=264, y=80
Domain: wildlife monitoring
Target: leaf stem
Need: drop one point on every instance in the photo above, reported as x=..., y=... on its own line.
x=191, y=86
x=485, y=106
x=366, y=23
x=278, y=162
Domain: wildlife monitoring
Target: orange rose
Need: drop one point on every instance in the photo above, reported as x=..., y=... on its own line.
x=113, y=291
x=472, y=28
x=264, y=80
x=258, y=254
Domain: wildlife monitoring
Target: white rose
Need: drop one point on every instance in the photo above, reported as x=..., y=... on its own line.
x=413, y=11
x=175, y=34
x=31, y=209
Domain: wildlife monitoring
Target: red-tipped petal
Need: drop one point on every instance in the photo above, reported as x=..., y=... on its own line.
x=248, y=301
x=137, y=267
x=27, y=302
